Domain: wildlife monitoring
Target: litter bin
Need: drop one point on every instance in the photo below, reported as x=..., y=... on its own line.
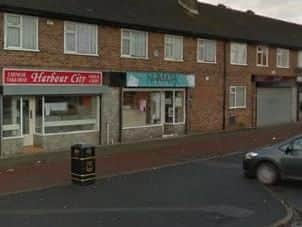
x=83, y=162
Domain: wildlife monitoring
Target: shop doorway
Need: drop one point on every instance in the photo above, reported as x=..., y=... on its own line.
x=28, y=124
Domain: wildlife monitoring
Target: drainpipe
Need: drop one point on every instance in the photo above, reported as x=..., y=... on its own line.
x=224, y=86
x=121, y=114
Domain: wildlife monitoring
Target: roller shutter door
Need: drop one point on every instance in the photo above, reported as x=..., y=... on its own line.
x=275, y=106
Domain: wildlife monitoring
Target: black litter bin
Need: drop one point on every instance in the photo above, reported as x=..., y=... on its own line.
x=83, y=169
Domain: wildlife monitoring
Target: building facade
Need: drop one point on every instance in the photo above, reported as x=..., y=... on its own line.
x=70, y=78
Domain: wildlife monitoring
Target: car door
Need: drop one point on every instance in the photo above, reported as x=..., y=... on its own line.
x=292, y=160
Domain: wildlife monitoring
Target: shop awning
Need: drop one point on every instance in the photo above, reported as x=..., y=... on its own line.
x=55, y=90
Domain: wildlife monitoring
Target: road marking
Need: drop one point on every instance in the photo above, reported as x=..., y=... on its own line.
x=226, y=211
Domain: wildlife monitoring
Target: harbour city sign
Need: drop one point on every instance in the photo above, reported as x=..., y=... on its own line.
x=49, y=77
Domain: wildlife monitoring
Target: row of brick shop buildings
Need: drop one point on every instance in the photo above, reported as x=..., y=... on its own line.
x=127, y=70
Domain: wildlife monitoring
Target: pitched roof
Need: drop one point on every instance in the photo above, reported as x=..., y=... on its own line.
x=167, y=16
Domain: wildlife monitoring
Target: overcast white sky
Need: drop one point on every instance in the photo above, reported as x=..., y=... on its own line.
x=289, y=10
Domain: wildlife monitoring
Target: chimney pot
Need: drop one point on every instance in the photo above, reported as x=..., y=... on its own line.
x=250, y=12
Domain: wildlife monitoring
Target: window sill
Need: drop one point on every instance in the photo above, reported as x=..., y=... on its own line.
x=262, y=66
x=206, y=62
x=282, y=67
x=78, y=54
x=238, y=108
x=66, y=133
x=21, y=49
x=144, y=126
x=13, y=137
x=174, y=60
x=134, y=58
x=236, y=64
x=180, y=123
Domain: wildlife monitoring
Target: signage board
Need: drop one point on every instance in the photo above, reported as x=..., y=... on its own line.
x=159, y=79
x=51, y=77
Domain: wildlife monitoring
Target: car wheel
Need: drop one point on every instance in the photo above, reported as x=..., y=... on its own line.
x=267, y=174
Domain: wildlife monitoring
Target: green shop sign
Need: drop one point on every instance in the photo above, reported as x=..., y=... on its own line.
x=159, y=79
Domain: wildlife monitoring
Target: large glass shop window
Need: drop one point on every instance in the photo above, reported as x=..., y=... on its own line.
x=71, y=113
x=11, y=116
x=141, y=109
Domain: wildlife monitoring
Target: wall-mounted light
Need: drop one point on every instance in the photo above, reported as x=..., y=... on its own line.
x=50, y=22
x=156, y=53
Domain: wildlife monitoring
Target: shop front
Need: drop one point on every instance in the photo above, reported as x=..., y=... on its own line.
x=299, y=84
x=49, y=110
x=276, y=100
x=154, y=105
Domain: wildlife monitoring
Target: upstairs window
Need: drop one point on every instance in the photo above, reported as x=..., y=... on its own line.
x=80, y=38
x=134, y=44
x=282, y=58
x=237, y=97
x=262, y=56
x=238, y=54
x=21, y=32
x=173, y=48
x=206, y=51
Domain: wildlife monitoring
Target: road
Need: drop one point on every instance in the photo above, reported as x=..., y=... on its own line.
x=203, y=193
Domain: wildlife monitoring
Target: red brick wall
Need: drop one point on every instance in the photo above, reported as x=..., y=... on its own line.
x=242, y=76
x=206, y=107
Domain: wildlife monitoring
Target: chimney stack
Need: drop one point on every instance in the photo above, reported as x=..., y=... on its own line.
x=190, y=5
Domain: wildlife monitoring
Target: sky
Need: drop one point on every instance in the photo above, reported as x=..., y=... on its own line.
x=289, y=10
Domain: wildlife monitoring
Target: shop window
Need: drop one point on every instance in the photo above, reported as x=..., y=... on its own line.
x=206, y=51
x=173, y=48
x=174, y=107
x=80, y=38
x=299, y=65
x=238, y=54
x=141, y=109
x=237, y=97
x=11, y=116
x=282, y=58
x=262, y=56
x=134, y=44
x=21, y=32
x=68, y=114
x=39, y=114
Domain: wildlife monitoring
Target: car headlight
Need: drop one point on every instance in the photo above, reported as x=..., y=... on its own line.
x=251, y=155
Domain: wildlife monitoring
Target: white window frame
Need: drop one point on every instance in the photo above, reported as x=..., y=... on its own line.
x=233, y=45
x=162, y=109
x=69, y=123
x=235, y=93
x=264, y=50
x=279, y=53
x=21, y=33
x=14, y=126
x=181, y=59
x=130, y=55
x=76, y=39
x=199, y=60
x=184, y=100
x=299, y=59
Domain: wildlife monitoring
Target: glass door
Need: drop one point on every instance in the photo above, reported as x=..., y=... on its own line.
x=28, y=124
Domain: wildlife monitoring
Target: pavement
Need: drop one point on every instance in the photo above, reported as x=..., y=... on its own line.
x=43, y=170
x=202, y=193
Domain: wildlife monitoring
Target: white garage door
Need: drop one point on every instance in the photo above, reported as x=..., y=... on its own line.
x=275, y=106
